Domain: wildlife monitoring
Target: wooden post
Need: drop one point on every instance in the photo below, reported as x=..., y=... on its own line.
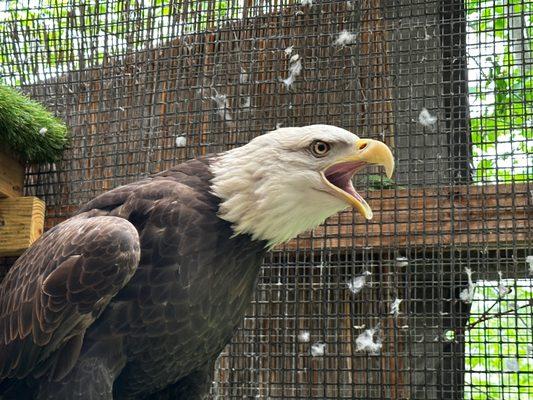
x=21, y=223
x=21, y=218
x=11, y=176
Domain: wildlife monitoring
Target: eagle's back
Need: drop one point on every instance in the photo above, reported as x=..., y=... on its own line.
x=193, y=283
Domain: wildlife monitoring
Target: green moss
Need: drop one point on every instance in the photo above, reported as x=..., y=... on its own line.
x=28, y=129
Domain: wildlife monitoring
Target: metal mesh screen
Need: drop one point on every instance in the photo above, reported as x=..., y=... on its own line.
x=432, y=299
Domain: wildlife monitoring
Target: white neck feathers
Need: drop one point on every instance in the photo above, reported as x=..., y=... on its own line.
x=269, y=194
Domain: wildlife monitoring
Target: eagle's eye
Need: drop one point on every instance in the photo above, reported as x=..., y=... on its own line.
x=319, y=148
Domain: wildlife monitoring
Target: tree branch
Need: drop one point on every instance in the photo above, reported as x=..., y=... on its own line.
x=485, y=316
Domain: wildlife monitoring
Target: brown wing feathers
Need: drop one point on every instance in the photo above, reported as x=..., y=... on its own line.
x=56, y=289
x=177, y=312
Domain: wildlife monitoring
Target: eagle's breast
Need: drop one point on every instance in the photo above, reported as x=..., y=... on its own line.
x=192, y=285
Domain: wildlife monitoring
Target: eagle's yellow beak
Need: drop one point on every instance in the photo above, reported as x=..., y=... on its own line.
x=338, y=176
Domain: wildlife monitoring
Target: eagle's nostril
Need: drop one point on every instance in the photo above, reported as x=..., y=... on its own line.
x=363, y=145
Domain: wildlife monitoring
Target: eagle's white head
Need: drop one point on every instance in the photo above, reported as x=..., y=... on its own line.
x=290, y=180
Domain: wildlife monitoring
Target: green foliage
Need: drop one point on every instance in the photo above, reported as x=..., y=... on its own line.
x=50, y=36
x=499, y=362
x=501, y=96
x=28, y=129
x=378, y=182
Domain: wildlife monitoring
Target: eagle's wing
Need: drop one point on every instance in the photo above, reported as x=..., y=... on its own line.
x=58, y=288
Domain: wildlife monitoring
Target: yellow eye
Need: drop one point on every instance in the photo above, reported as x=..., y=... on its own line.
x=319, y=148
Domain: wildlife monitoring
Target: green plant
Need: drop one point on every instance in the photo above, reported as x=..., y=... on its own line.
x=378, y=182
x=28, y=129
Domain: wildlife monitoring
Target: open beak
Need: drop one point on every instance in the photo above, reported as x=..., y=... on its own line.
x=338, y=177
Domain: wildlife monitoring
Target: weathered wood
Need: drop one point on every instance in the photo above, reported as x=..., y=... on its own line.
x=11, y=176
x=21, y=223
x=127, y=127
x=487, y=216
x=466, y=216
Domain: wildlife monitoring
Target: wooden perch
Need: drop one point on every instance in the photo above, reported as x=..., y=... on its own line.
x=480, y=216
x=21, y=223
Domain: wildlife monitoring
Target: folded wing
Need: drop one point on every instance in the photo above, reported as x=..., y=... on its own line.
x=58, y=288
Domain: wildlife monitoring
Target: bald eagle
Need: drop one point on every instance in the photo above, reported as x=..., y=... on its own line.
x=136, y=295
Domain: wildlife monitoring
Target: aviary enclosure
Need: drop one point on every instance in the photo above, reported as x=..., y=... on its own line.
x=432, y=299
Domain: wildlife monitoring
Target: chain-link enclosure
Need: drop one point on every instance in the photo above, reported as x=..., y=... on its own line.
x=433, y=298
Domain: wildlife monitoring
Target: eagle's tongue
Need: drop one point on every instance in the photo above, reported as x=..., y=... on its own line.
x=341, y=174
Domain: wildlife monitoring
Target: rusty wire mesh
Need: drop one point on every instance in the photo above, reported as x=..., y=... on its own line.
x=440, y=280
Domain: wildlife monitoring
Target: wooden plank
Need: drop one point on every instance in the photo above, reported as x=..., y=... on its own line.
x=21, y=223
x=471, y=216
x=479, y=217
x=11, y=176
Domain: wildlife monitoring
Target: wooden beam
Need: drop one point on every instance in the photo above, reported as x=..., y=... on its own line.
x=478, y=217
x=11, y=176
x=472, y=216
x=21, y=223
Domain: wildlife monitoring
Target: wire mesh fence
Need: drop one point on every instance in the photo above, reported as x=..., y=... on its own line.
x=430, y=300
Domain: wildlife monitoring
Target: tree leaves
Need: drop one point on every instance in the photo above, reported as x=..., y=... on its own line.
x=64, y=35
x=498, y=364
x=503, y=94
